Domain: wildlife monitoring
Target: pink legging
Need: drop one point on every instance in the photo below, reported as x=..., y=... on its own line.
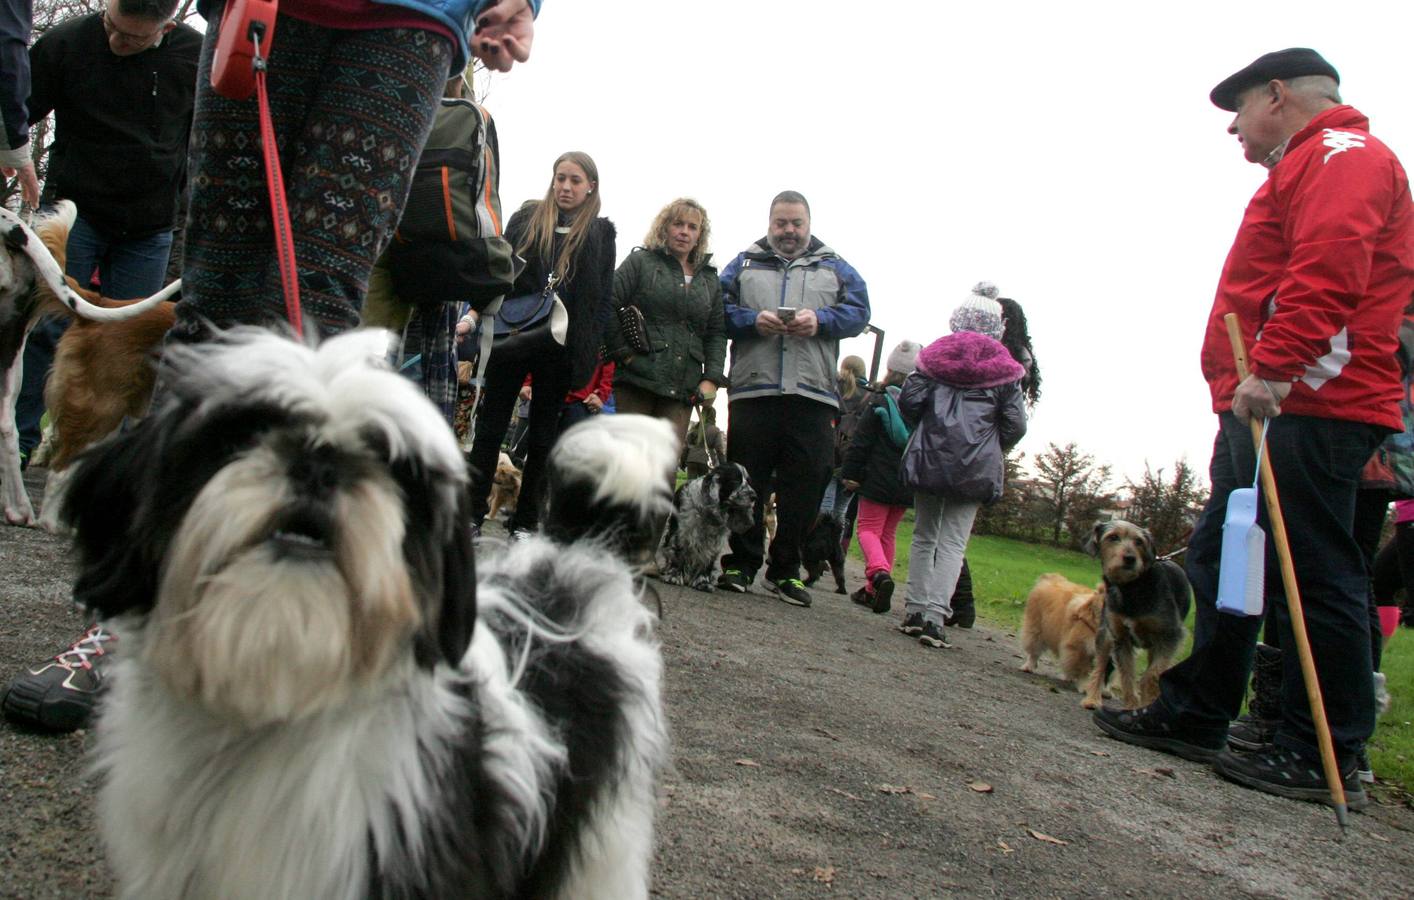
x=876, y=525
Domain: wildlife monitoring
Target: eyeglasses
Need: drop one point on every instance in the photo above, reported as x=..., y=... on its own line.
x=137, y=40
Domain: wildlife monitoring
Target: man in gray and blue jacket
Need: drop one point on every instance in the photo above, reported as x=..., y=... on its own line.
x=789, y=300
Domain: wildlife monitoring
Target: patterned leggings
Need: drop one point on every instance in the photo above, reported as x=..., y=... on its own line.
x=351, y=110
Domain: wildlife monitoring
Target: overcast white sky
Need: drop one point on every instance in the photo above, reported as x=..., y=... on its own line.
x=1067, y=152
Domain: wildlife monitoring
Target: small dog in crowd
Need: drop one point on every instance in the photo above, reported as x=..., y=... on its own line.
x=1062, y=617
x=505, y=487
x=103, y=368
x=317, y=696
x=706, y=511
x=823, y=547
x=1146, y=600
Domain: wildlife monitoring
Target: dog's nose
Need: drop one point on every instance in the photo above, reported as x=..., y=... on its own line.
x=1130, y=559
x=315, y=473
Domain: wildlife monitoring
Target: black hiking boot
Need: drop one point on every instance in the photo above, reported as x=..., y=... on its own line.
x=1254, y=730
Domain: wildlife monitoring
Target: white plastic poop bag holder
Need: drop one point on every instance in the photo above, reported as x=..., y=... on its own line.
x=1242, y=569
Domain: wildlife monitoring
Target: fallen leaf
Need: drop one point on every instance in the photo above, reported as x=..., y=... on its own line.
x=894, y=789
x=825, y=874
x=834, y=790
x=1099, y=753
x=1042, y=836
x=1379, y=837
x=1156, y=772
x=749, y=762
x=1005, y=848
x=980, y=787
x=827, y=733
x=923, y=795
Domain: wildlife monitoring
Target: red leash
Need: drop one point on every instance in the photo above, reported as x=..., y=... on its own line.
x=244, y=24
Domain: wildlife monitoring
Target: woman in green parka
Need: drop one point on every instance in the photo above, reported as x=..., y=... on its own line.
x=672, y=281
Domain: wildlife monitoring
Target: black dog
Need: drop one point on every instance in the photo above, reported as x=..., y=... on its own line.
x=824, y=546
x=705, y=511
x=1146, y=600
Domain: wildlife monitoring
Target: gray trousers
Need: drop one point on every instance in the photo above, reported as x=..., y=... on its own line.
x=940, y=532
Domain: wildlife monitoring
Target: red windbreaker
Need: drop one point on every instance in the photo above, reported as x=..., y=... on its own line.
x=1319, y=276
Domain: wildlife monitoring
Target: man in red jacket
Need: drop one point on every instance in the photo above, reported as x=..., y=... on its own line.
x=1319, y=276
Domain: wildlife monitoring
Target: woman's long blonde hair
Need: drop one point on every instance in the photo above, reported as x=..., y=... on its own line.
x=539, y=237
x=657, y=237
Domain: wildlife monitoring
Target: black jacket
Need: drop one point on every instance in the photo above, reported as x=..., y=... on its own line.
x=588, y=295
x=121, y=124
x=872, y=460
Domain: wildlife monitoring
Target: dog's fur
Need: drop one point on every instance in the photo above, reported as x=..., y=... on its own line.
x=823, y=547
x=103, y=366
x=1146, y=600
x=1062, y=618
x=317, y=697
x=505, y=487
x=706, y=511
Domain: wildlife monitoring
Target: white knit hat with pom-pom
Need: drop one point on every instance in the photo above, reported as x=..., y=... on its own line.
x=980, y=312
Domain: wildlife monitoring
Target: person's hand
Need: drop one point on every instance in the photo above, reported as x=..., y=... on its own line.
x=707, y=390
x=29, y=183
x=525, y=392
x=803, y=324
x=504, y=34
x=768, y=325
x=849, y=485
x=465, y=325
x=1257, y=398
x=594, y=404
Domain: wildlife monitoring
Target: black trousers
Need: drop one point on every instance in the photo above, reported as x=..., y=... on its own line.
x=1317, y=464
x=785, y=443
x=548, y=367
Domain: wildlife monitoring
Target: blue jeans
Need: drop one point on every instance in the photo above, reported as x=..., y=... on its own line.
x=127, y=269
x=836, y=499
x=1317, y=464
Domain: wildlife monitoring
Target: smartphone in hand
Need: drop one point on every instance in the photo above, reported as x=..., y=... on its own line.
x=785, y=314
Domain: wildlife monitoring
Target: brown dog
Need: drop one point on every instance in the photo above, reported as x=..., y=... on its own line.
x=505, y=486
x=1146, y=600
x=102, y=369
x=1062, y=617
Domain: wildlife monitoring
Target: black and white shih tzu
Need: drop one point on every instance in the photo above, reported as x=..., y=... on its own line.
x=316, y=696
x=705, y=512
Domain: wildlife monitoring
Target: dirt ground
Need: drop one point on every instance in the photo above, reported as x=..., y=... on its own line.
x=818, y=752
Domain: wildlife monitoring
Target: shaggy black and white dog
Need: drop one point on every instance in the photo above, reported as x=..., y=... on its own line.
x=705, y=511
x=316, y=697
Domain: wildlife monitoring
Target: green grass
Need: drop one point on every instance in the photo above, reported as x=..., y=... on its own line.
x=1004, y=570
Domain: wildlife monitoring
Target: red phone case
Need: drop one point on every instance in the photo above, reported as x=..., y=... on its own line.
x=231, y=72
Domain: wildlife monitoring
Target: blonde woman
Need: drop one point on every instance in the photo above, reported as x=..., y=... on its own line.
x=560, y=235
x=672, y=281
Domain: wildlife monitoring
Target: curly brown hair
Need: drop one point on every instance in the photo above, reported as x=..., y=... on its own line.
x=657, y=237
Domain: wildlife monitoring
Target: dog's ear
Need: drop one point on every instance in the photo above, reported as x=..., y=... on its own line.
x=457, y=618
x=108, y=504
x=1092, y=543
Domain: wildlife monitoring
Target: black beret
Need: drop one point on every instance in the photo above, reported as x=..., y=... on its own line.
x=1281, y=65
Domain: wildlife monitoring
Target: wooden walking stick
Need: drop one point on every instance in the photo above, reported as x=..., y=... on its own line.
x=1293, y=594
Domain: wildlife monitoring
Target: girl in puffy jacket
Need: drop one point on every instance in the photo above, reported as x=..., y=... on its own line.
x=966, y=405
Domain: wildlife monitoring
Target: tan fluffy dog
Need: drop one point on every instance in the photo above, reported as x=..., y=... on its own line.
x=1062, y=617
x=505, y=486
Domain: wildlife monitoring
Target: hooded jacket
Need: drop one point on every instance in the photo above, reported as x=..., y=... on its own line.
x=966, y=406
x=758, y=279
x=873, y=456
x=1319, y=276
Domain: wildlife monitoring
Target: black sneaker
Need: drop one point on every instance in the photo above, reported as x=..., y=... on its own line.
x=912, y=624
x=963, y=618
x=1249, y=734
x=883, y=586
x=792, y=590
x=1153, y=728
x=862, y=597
x=733, y=580
x=60, y=693
x=1285, y=773
x=933, y=635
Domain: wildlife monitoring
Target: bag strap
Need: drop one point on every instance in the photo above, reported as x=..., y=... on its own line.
x=483, y=357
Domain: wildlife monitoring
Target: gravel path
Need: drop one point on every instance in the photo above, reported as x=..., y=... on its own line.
x=818, y=752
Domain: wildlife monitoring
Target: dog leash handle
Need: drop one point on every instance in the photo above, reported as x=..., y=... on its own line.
x=275, y=182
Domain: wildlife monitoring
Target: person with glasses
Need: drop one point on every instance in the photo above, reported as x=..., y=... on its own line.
x=121, y=83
